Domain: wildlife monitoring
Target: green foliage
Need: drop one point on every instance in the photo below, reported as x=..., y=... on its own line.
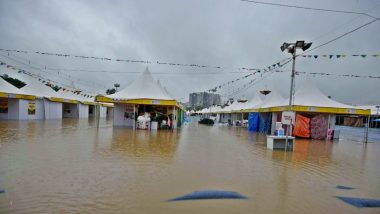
x=16, y=82
x=110, y=91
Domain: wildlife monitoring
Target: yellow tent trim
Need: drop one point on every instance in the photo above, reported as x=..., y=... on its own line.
x=70, y=101
x=106, y=105
x=139, y=101
x=310, y=109
x=103, y=99
x=25, y=97
x=3, y=94
x=148, y=102
x=55, y=99
x=88, y=103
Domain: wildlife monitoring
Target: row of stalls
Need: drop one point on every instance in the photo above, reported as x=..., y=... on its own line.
x=145, y=104
x=315, y=113
x=38, y=101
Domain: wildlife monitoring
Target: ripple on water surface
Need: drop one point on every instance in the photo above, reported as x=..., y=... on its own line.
x=70, y=166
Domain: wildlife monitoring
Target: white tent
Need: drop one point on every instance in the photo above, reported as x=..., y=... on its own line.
x=309, y=95
x=143, y=87
x=12, y=106
x=255, y=102
x=273, y=99
x=144, y=91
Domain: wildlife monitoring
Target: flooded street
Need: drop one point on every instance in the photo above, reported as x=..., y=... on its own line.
x=70, y=166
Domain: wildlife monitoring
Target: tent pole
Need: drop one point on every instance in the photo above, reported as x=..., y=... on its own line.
x=367, y=129
x=134, y=115
x=328, y=126
x=97, y=114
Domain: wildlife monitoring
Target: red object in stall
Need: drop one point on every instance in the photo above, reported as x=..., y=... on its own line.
x=302, y=127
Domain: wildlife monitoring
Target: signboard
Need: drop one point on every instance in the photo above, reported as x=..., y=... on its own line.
x=3, y=105
x=32, y=108
x=288, y=117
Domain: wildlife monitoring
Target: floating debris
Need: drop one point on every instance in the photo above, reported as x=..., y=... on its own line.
x=210, y=194
x=344, y=187
x=360, y=202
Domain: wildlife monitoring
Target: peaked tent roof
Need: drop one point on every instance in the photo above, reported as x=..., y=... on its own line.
x=38, y=89
x=144, y=87
x=253, y=103
x=309, y=95
x=271, y=100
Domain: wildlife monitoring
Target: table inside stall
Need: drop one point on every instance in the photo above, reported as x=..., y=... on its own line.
x=278, y=142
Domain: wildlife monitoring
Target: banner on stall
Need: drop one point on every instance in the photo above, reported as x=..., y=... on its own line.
x=288, y=117
x=32, y=108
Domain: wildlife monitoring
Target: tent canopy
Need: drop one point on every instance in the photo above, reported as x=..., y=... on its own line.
x=309, y=95
x=273, y=99
x=144, y=87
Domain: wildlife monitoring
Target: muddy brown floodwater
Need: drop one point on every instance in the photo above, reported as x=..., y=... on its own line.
x=70, y=166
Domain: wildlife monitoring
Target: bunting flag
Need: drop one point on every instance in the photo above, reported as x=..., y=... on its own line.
x=120, y=60
x=339, y=56
x=340, y=75
x=256, y=71
x=45, y=81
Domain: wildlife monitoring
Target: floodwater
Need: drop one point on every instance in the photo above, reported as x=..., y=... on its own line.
x=70, y=166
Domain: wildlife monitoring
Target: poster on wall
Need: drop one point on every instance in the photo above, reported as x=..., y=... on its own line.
x=288, y=117
x=3, y=105
x=129, y=112
x=32, y=108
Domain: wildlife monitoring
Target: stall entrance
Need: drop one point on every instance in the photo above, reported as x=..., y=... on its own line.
x=91, y=111
x=70, y=110
x=153, y=117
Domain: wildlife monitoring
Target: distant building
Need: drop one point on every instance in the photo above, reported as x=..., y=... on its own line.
x=203, y=99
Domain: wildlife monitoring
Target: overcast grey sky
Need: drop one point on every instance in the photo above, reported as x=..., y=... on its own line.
x=227, y=33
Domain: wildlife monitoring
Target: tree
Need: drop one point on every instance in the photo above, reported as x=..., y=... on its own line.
x=110, y=91
x=116, y=85
x=15, y=82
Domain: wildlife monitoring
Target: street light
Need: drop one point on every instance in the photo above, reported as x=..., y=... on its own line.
x=292, y=49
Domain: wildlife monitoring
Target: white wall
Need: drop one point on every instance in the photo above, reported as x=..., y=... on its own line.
x=18, y=109
x=103, y=111
x=109, y=112
x=40, y=110
x=53, y=110
x=13, y=109
x=83, y=110
x=118, y=116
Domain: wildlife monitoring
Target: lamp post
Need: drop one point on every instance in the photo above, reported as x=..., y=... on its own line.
x=292, y=49
x=377, y=115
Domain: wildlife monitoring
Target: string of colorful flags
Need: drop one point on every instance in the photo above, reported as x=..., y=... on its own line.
x=339, y=75
x=261, y=71
x=62, y=75
x=120, y=60
x=48, y=82
x=251, y=83
x=339, y=56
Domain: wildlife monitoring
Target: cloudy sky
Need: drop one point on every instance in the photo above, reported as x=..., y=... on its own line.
x=228, y=33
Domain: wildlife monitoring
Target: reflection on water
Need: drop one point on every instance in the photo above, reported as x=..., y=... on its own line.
x=71, y=166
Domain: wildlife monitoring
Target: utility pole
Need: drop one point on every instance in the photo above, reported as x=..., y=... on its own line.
x=292, y=49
